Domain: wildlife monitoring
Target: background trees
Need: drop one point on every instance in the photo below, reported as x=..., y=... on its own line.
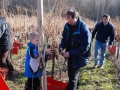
x=92, y=9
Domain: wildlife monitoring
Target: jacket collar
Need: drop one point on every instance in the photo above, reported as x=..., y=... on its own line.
x=31, y=44
x=106, y=25
x=77, y=31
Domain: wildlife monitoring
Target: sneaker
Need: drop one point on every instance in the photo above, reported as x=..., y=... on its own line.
x=95, y=66
x=101, y=67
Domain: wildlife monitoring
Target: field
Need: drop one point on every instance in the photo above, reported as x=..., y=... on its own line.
x=94, y=79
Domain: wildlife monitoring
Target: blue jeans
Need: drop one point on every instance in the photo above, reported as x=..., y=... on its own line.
x=103, y=47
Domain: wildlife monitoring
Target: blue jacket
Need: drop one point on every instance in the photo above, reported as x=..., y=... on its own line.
x=105, y=34
x=81, y=43
x=28, y=71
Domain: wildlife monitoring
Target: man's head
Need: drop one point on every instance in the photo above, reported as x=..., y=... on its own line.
x=34, y=38
x=72, y=16
x=106, y=19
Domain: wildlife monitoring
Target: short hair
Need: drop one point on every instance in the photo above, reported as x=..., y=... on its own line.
x=106, y=16
x=33, y=35
x=73, y=13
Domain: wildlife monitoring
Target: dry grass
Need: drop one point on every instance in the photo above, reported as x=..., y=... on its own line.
x=22, y=22
x=116, y=23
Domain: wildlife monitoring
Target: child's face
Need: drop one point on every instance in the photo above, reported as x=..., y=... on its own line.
x=35, y=40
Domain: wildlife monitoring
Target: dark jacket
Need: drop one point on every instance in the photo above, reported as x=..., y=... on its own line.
x=81, y=43
x=105, y=34
x=5, y=38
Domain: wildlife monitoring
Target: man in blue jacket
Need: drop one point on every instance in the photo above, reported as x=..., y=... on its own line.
x=104, y=32
x=76, y=40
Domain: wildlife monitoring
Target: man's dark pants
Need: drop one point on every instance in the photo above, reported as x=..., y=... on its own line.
x=73, y=75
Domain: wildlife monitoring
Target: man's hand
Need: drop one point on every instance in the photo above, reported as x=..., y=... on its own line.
x=66, y=55
x=92, y=41
x=109, y=46
x=60, y=51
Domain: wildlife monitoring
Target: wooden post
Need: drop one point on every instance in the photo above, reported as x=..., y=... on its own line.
x=25, y=26
x=118, y=50
x=25, y=22
x=40, y=17
x=41, y=39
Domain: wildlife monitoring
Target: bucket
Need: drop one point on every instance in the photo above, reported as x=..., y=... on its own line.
x=17, y=43
x=3, y=84
x=55, y=85
x=4, y=72
x=15, y=50
x=112, y=50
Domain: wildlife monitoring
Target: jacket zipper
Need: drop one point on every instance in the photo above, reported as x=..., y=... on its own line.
x=103, y=33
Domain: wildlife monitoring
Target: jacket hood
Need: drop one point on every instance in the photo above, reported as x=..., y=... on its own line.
x=3, y=27
x=31, y=44
x=77, y=31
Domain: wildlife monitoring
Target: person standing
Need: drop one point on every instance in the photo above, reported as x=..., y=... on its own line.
x=105, y=34
x=33, y=81
x=5, y=46
x=76, y=39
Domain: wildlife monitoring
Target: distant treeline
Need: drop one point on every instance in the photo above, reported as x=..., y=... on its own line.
x=92, y=9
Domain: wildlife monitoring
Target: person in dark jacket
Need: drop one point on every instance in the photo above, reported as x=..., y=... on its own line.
x=104, y=32
x=76, y=39
x=5, y=46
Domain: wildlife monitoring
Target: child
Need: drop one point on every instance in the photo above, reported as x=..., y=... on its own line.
x=33, y=81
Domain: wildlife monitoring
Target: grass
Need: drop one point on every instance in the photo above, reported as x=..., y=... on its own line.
x=99, y=79
x=23, y=52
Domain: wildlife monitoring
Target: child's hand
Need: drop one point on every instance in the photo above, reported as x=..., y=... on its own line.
x=50, y=51
x=36, y=54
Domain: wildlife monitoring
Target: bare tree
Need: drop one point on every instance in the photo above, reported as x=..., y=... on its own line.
x=92, y=9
